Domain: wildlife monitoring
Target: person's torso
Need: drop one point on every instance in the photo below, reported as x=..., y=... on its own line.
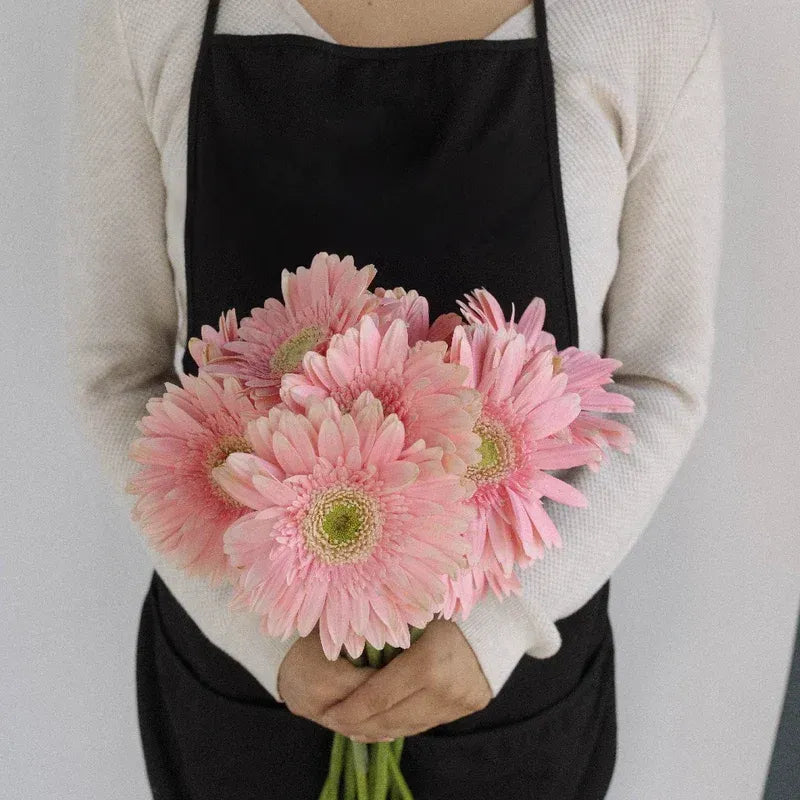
x=438, y=163
x=164, y=45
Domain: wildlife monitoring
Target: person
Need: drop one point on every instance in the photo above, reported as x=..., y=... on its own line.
x=571, y=150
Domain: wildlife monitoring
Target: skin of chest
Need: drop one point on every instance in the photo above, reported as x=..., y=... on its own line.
x=387, y=23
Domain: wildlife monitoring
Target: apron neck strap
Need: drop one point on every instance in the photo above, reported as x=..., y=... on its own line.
x=211, y=21
x=540, y=18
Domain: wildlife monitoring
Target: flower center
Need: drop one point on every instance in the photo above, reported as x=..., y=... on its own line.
x=556, y=364
x=288, y=356
x=496, y=450
x=342, y=525
x=490, y=454
x=385, y=385
x=224, y=446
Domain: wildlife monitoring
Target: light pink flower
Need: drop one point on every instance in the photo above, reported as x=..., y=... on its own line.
x=412, y=307
x=587, y=372
x=524, y=406
x=351, y=529
x=426, y=392
x=326, y=298
x=189, y=431
x=208, y=347
x=482, y=308
x=466, y=590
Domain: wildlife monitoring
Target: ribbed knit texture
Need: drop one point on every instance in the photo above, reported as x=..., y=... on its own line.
x=641, y=131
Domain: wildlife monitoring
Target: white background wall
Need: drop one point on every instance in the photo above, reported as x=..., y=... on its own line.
x=703, y=609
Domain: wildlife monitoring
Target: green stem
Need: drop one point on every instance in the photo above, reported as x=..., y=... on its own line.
x=397, y=751
x=398, y=781
x=371, y=770
x=389, y=652
x=397, y=748
x=349, y=775
x=330, y=790
x=381, y=756
x=361, y=762
x=374, y=656
x=337, y=763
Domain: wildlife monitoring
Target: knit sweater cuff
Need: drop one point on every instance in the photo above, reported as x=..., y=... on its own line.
x=501, y=632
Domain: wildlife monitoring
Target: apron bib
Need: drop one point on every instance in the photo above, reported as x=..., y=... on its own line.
x=439, y=164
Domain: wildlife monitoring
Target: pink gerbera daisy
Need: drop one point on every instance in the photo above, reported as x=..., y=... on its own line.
x=351, y=529
x=469, y=587
x=524, y=405
x=412, y=307
x=425, y=391
x=326, y=298
x=188, y=432
x=208, y=347
x=587, y=372
x=482, y=308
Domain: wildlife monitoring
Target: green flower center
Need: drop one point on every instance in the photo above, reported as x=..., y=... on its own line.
x=490, y=454
x=496, y=450
x=342, y=525
x=289, y=354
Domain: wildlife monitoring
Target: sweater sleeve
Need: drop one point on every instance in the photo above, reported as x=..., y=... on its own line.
x=659, y=321
x=119, y=308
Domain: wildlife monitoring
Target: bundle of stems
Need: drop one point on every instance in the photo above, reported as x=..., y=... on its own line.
x=360, y=771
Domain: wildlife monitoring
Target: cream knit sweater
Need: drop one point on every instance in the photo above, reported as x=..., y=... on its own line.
x=641, y=130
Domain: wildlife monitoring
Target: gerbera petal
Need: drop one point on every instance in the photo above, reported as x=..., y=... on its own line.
x=560, y=491
x=290, y=461
x=308, y=615
x=500, y=539
x=397, y=475
x=330, y=442
x=542, y=522
x=388, y=442
x=237, y=481
x=278, y=493
x=394, y=345
x=553, y=415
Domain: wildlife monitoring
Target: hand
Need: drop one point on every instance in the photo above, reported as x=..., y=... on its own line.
x=438, y=679
x=310, y=683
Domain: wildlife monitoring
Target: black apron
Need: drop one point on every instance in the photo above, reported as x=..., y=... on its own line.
x=439, y=164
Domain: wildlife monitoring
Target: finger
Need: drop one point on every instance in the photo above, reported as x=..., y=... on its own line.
x=328, y=686
x=386, y=687
x=419, y=712
x=343, y=689
x=343, y=678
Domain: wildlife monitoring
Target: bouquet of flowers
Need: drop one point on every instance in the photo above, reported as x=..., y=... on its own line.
x=353, y=467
